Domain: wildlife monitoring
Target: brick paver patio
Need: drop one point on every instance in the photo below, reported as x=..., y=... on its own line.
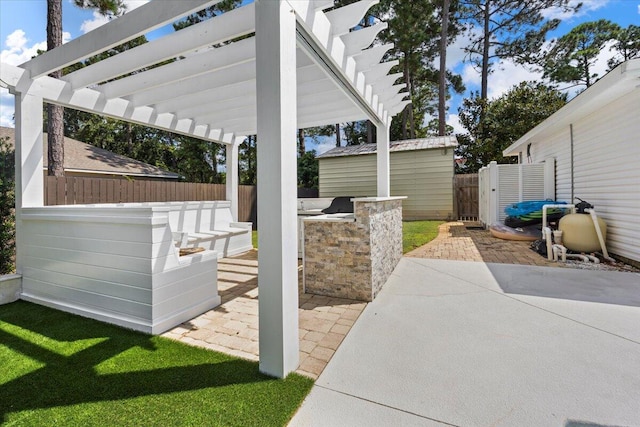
x=456, y=242
x=232, y=327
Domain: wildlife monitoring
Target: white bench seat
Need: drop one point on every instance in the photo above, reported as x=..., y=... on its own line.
x=209, y=225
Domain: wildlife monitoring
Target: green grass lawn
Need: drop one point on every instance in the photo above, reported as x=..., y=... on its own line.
x=418, y=233
x=61, y=369
x=414, y=234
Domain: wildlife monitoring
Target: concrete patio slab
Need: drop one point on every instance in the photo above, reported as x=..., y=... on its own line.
x=474, y=344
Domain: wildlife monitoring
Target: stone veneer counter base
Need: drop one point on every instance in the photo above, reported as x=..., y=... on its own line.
x=352, y=256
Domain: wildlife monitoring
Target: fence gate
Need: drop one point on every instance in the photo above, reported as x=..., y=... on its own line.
x=465, y=190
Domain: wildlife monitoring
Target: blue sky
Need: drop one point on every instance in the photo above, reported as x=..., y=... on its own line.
x=23, y=31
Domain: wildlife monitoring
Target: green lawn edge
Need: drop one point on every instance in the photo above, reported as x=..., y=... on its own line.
x=62, y=369
x=418, y=233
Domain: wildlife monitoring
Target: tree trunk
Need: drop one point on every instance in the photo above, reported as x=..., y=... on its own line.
x=370, y=137
x=442, y=89
x=585, y=68
x=337, y=134
x=404, y=121
x=301, y=149
x=55, y=112
x=407, y=78
x=486, y=43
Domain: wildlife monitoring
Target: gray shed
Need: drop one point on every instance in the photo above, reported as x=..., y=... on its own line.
x=421, y=169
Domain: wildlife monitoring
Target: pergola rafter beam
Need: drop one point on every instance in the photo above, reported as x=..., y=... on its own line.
x=371, y=57
x=204, y=63
x=127, y=27
x=220, y=78
x=216, y=80
x=243, y=106
x=235, y=23
x=60, y=92
x=345, y=18
x=355, y=41
x=218, y=95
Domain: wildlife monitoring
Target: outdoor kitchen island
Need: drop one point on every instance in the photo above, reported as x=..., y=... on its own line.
x=352, y=255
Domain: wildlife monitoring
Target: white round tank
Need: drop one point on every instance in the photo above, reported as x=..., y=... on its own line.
x=579, y=232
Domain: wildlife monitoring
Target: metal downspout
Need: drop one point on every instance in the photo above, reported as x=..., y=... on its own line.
x=571, y=138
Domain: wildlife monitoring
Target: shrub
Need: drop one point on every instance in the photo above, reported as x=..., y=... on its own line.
x=7, y=208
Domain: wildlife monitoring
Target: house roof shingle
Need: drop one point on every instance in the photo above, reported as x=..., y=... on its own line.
x=405, y=145
x=81, y=157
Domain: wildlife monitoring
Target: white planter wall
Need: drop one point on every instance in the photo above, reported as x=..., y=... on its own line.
x=114, y=263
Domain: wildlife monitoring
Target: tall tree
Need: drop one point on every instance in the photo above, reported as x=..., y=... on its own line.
x=247, y=158
x=54, y=39
x=514, y=29
x=308, y=170
x=506, y=119
x=572, y=57
x=415, y=31
x=7, y=207
x=626, y=46
x=55, y=133
x=442, y=78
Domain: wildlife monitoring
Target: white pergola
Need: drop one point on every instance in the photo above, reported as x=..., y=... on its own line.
x=299, y=67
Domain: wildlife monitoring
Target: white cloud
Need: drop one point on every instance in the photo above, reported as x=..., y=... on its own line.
x=19, y=51
x=638, y=9
x=6, y=108
x=99, y=20
x=91, y=24
x=506, y=74
x=455, y=51
x=321, y=144
x=470, y=76
x=587, y=6
x=453, y=120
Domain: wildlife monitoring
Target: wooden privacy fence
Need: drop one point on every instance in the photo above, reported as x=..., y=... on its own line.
x=465, y=191
x=82, y=190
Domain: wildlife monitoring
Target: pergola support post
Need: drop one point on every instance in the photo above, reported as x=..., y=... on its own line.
x=232, y=177
x=277, y=214
x=28, y=162
x=382, y=158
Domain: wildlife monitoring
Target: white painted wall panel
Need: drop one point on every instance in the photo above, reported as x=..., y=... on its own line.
x=117, y=264
x=606, y=173
x=606, y=152
x=558, y=147
x=424, y=176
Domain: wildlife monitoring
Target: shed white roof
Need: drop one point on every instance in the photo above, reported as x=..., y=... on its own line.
x=210, y=92
x=620, y=81
x=405, y=145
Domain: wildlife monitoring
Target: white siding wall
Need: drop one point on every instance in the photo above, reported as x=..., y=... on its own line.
x=557, y=147
x=424, y=176
x=114, y=264
x=606, y=172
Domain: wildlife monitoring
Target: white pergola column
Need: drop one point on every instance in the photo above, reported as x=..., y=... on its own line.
x=28, y=162
x=382, y=157
x=277, y=215
x=232, y=177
